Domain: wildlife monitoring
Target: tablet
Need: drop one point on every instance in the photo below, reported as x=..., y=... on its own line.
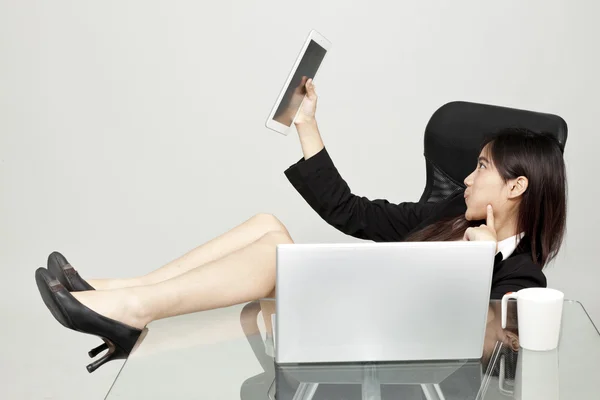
x=293, y=92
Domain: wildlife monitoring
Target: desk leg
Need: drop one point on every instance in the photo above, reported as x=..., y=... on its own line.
x=272, y=392
x=305, y=391
x=432, y=391
x=371, y=389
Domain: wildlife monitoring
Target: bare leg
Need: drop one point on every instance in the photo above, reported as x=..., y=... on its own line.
x=243, y=275
x=235, y=239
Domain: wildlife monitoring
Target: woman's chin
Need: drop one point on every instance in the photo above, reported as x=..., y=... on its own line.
x=472, y=216
x=468, y=216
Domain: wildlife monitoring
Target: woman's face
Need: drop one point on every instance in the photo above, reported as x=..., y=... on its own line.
x=484, y=186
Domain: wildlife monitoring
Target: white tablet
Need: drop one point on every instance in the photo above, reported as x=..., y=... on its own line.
x=293, y=92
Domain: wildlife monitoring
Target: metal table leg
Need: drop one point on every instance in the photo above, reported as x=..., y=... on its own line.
x=371, y=388
x=432, y=391
x=272, y=391
x=306, y=391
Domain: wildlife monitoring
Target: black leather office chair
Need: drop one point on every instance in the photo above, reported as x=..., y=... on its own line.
x=455, y=132
x=453, y=137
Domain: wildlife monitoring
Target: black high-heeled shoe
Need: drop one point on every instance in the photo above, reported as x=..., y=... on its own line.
x=66, y=274
x=118, y=337
x=69, y=277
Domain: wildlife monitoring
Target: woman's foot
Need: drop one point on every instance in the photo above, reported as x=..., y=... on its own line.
x=73, y=282
x=119, y=338
x=120, y=304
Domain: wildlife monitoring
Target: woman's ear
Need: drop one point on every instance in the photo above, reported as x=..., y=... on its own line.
x=518, y=186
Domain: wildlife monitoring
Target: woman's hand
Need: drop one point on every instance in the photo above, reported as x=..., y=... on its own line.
x=309, y=104
x=305, y=121
x=485, y=231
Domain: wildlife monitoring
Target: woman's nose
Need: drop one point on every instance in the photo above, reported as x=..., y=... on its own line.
x=468, y=181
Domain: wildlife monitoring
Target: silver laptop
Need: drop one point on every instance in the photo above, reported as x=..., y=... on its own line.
x=356, y=302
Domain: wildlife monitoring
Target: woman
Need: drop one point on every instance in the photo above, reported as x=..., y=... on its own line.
x=515, y=197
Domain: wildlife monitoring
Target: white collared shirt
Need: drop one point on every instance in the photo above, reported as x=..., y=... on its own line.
x=508, y=245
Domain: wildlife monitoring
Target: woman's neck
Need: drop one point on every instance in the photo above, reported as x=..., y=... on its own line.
x=505, y=227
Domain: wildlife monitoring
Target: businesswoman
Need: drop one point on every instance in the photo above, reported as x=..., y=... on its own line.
x=515, y=196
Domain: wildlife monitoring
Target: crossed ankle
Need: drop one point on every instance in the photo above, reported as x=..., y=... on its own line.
x=139, y=310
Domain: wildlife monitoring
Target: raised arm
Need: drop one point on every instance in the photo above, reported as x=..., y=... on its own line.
x=306, y=123
x=320, y=184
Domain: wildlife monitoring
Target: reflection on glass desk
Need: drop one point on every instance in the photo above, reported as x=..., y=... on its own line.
x=228, y=354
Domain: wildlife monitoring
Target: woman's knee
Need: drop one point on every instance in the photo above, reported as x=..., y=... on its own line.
x=268, y=245
x=273, y=238
x=270, y=223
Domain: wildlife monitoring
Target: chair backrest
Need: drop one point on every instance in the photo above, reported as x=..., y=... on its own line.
x=454, y=135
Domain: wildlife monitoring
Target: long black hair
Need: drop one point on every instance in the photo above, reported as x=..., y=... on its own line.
x=543, y=209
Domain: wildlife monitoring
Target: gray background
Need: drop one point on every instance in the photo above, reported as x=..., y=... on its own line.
x=132, y=131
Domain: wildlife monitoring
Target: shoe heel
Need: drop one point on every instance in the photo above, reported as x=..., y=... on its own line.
x=114, y=353
x=97, y=350
x=119, y=338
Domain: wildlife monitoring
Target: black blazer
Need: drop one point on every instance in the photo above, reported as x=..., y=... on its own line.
x=321, y=185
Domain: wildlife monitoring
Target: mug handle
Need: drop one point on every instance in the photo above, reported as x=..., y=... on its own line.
x=509, y=295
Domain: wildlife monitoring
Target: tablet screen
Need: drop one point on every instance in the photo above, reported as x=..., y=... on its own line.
x=294, y=94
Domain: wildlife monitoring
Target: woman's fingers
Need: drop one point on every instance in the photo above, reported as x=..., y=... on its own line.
x=466, y=236
x=482, y=232
x=310, y=89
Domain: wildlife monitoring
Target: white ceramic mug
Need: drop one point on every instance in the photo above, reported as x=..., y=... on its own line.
x=539, y=312
x=537, y=375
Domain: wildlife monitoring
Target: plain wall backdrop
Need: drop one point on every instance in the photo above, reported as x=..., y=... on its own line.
x=131, y=131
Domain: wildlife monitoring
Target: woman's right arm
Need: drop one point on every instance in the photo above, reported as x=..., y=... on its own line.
x=306, y=124
x=320, y=184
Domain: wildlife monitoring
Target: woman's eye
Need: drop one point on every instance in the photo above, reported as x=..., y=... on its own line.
x=481, y=165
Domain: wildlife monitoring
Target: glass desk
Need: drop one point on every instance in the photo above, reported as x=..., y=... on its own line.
x=226, y=354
